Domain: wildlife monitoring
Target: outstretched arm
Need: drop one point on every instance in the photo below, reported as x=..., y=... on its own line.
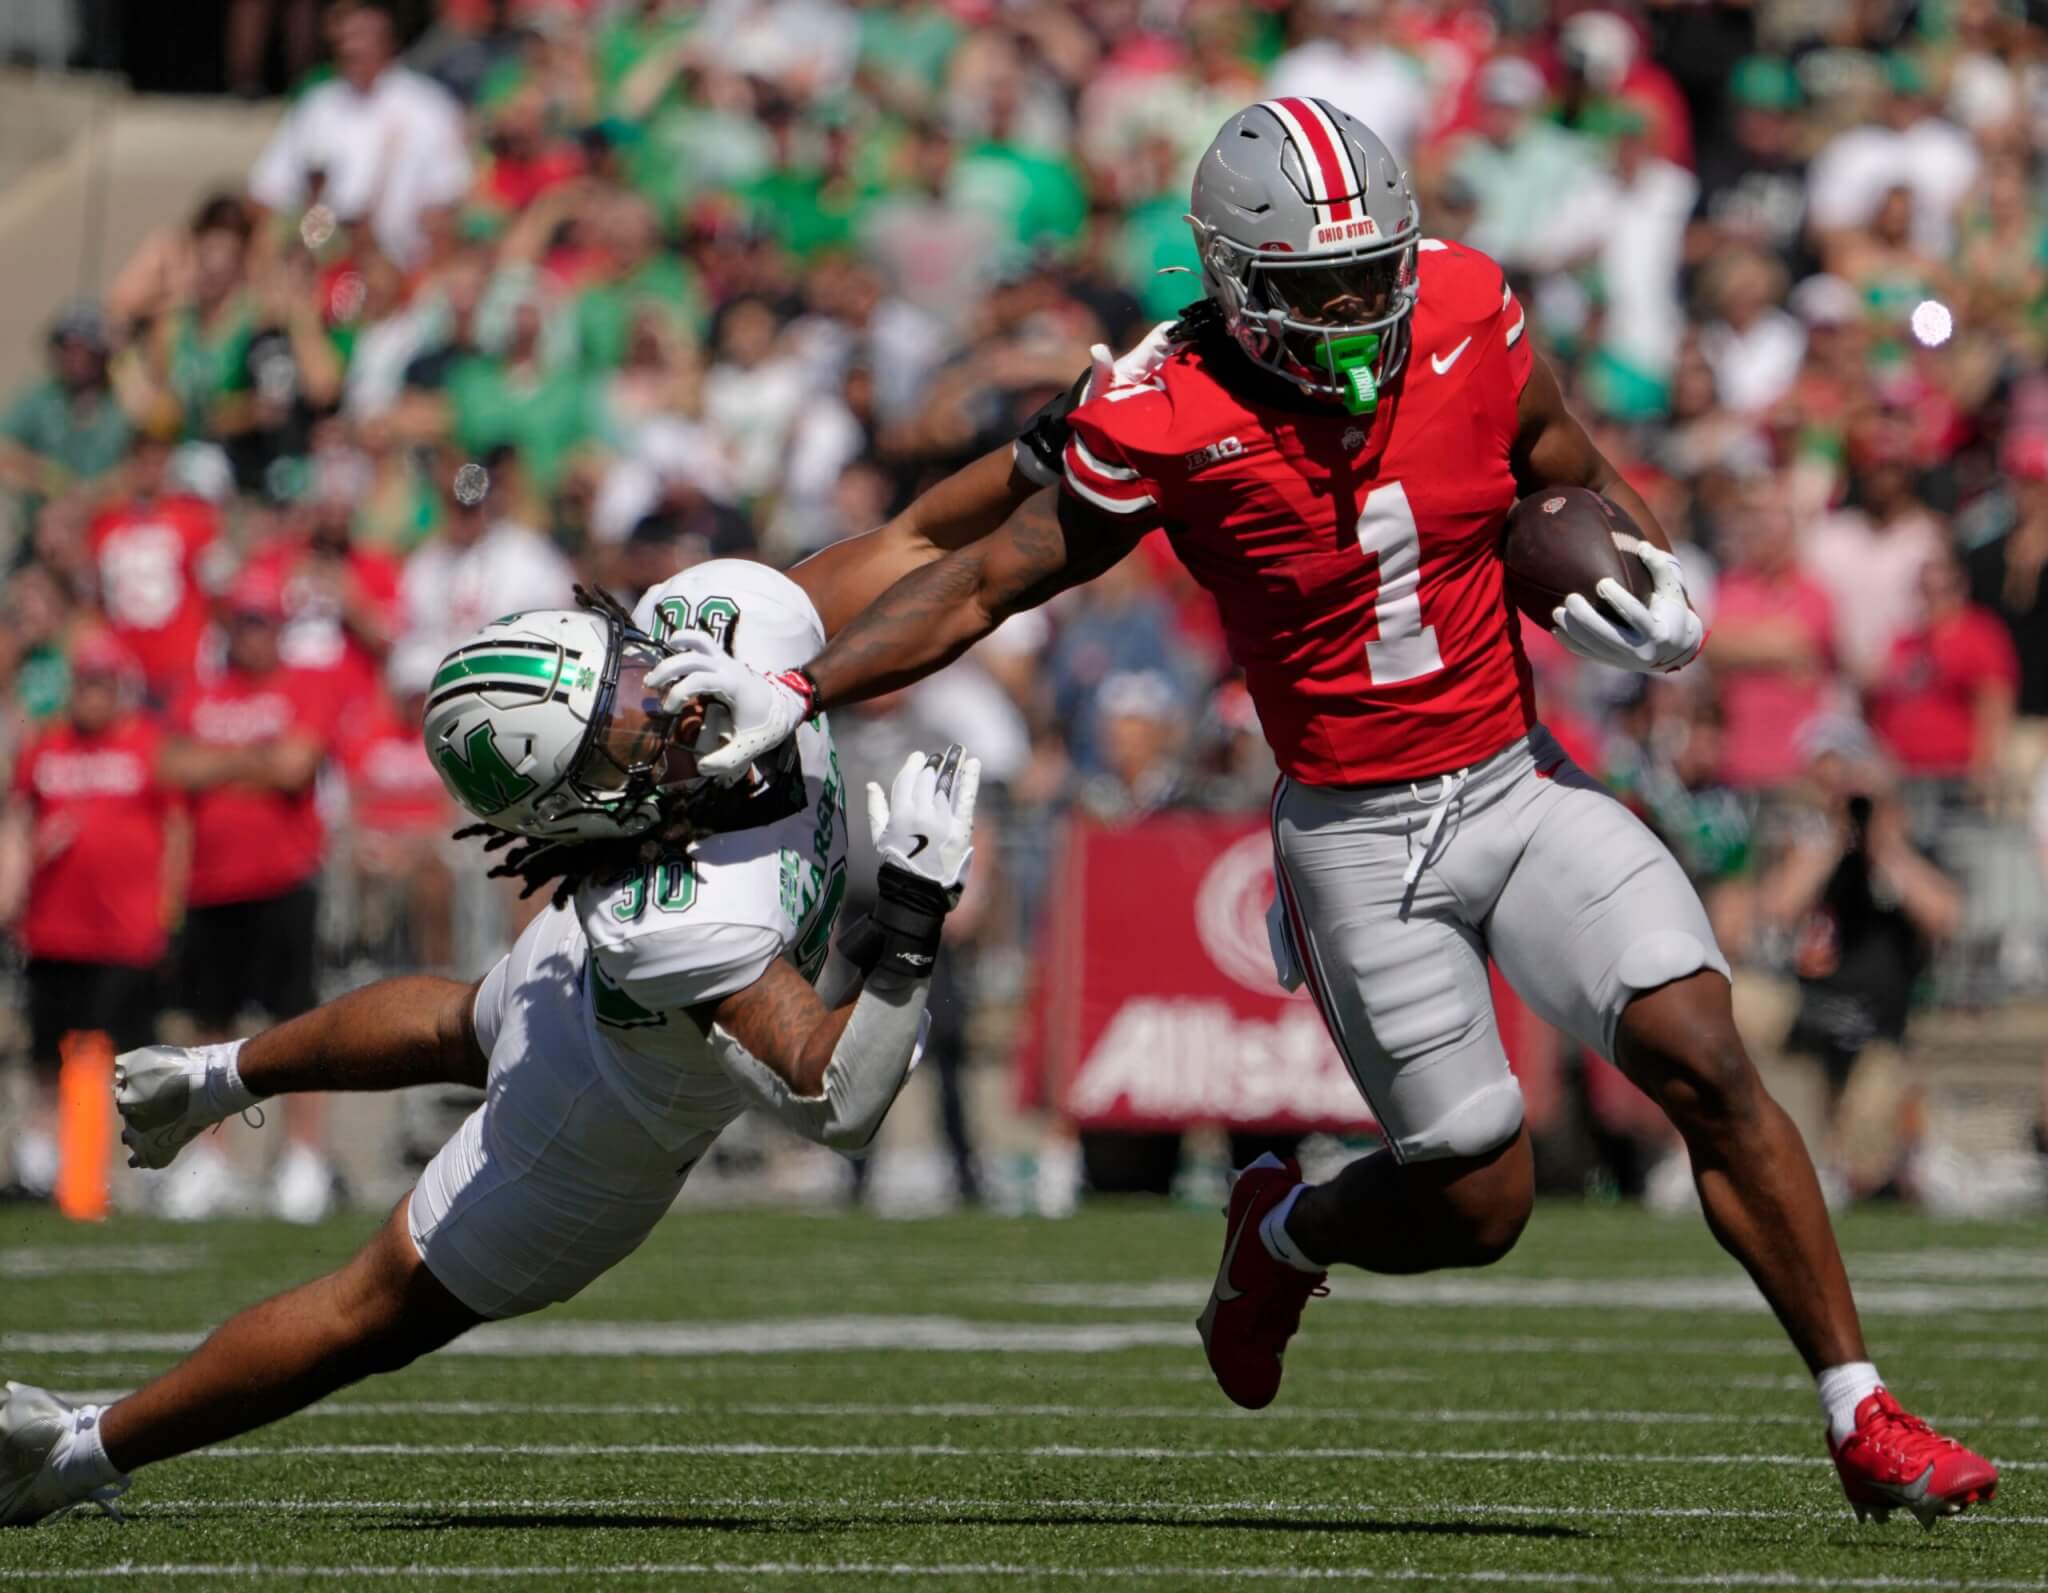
x=933, y=615
x=968, y=505
x=921, y=623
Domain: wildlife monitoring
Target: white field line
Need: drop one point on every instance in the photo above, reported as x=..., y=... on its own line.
x=817, y=1570
x=762, y=1336
x=31, y=1262
x=771, y=1336
x=1021, y=1451
x=1688, y=1294
x=965, y=1411
x=939, y=1504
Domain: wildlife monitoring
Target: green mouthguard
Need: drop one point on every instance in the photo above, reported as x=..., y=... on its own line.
x=1350, y=359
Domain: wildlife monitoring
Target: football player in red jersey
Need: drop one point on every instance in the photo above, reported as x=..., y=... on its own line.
x=1332, y=444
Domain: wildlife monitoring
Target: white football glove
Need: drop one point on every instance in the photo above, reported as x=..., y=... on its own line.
x=766, y=710
x=1662, y=635
x=1133, y=366
x=925, y=825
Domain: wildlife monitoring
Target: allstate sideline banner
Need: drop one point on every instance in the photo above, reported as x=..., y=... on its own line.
x=1156, y=1004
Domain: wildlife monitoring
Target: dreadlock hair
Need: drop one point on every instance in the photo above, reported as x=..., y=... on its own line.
x=570, y=864
x=1201, y=323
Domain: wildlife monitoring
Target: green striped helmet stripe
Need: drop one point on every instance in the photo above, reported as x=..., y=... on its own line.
x=530, y=666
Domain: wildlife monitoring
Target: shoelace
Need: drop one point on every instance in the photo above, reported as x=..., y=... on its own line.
x=103, y=1499
x=1904, y=1439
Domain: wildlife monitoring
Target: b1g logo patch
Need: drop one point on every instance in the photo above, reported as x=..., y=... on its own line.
x=1214, y=454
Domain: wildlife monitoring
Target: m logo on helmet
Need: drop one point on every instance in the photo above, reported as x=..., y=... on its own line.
x=482, y=778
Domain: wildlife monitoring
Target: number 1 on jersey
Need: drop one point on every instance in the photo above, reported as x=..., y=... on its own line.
x=1405, y=648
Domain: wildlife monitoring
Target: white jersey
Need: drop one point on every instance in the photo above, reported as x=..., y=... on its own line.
x=693, y=928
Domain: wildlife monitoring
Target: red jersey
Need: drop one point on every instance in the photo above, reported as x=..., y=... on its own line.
x=1355, y=559
x=393, y=787
x=100, y=814
x=1924, y=708
x=314, y=637
x=147, y=558
x=249, y=843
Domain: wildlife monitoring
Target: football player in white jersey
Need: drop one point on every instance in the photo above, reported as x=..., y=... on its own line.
x=684, y=972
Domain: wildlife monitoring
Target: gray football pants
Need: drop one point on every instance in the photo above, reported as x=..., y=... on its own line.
x=1397, y=895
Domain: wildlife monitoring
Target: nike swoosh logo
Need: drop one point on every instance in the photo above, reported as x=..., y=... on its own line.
x=1224, y=1290
x=1440, y=363
x=921, y=842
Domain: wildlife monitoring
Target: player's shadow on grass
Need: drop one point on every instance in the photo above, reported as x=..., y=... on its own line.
x=846, y=1521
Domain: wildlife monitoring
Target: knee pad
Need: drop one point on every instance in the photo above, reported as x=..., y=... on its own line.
x=1659, y=958
x=1485, y=1120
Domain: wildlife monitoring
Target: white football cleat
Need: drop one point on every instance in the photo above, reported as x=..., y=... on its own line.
x=33, y=1423
x=165, y=1105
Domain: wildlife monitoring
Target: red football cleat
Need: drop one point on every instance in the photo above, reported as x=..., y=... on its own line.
x=1257, y=1302
x=1896, y=1461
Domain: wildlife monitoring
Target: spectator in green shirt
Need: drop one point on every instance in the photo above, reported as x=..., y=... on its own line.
x=637, y=274
x=1034, y=195
x=512, y=398
x=69, y=426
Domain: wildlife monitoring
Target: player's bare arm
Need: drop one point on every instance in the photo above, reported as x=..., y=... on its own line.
x=1552, y=449
x=918, y=626
x=932, y=616
x=832, y=1073
x=784, y=1024
x=968, y=505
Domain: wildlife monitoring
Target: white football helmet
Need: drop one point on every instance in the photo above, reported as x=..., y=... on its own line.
x=1307, y=234
x=540, y=724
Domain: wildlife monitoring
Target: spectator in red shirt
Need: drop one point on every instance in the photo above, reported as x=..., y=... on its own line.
x=1771, y=649
x=90, y=864
x=399, y=816
x=340, y=601
x=248, y=747
x=149, y=553
x=1944, y=700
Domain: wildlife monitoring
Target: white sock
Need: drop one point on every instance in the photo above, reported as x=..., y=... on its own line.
x=80, y=1458
x=1279, y=1243
x=1842, y=1389
x=225, y=1091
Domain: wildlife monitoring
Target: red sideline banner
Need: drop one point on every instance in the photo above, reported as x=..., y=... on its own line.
x=1157, y=1005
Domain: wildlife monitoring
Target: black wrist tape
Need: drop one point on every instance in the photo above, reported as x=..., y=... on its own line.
x=909, y=916
x=1043, y=441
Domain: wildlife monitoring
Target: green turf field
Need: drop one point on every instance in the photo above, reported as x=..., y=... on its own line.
x=790, y=1401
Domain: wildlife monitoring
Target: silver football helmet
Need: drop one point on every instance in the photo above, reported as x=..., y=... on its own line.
x=1307, y=233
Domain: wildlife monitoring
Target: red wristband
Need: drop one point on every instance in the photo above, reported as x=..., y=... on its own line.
x=800, y=682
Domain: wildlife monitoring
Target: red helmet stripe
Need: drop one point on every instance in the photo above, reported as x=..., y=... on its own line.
x=1328, y=177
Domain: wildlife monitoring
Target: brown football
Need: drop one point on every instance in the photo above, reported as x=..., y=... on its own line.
x=1560, y=541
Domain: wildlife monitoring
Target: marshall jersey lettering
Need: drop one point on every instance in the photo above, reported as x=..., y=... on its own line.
x=1357, y=566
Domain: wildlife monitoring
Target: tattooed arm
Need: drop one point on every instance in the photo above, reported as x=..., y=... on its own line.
x=968, y=505
x=935, y=613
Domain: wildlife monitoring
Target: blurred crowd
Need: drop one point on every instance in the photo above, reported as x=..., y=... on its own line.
x=523, y=292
